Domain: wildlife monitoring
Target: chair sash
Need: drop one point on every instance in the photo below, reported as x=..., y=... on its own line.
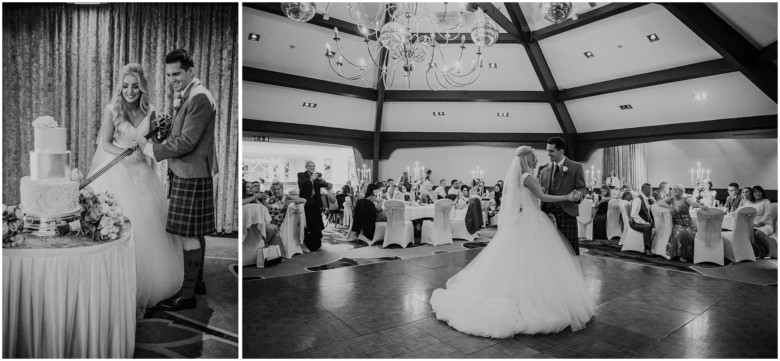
x=663, y=229
x=396, y=224
x=625, y=211
x=613, y=219
x=709, y=224
x=743, y=223
x=441, y=220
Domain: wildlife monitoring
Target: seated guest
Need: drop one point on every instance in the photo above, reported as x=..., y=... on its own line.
x=373, y=195
x=277, y=203
x=403, y=179
x=600, y=219
x=762, y=223
x=390, y=182
x=662, y=192
x=330, y=199
x=425, y=198
x=404, y=193
x=454, y=187
x=595, y=195
x=256, y=187
x=641, y=220
x=441, y=190
x=734, y=200
x=683, y=229
x=248, y=194
x=391, y=190
x=627, y=195
x=497, y=193
x=707, y=195
x=463, y=197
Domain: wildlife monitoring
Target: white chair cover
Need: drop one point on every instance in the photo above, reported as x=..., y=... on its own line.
x=613, y=219
x=631, y=239
x=773, y=237
x=736, y=244
x=398, y=231
x=291, y=230
x=439, y=231
x=663, y=229
x=255, y=217
x=585, y=219
x=708, y=245
x=346, y=218
x=458, y=225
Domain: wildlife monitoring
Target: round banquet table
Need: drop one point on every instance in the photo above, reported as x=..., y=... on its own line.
x=70, y=297
x=411, y=212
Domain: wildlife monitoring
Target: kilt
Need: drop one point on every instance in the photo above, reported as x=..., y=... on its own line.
x=568, y=226
x=191, y=207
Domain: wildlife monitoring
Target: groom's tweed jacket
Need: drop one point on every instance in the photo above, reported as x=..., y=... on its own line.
x=566, y=181
x=189, y=148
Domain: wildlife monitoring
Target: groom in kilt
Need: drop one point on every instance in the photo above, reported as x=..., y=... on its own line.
x=187, y=142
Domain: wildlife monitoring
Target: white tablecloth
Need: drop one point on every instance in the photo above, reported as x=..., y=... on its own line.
x=728, y=220
x=426, y=211
x=77, y=302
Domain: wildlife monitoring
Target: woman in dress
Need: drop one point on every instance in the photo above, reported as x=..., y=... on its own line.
x=136, y=186
x=373, y=194
x=600, y=219
x=763, y=225
x=462, y=201
x=683, y=229
x=277, y=203
x=527, y=280
x=707, y=195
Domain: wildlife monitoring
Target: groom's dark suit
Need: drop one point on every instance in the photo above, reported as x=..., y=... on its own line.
x=567, y=178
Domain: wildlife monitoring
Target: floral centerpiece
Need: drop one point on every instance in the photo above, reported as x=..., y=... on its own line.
x=101, y=215
x=12, y=226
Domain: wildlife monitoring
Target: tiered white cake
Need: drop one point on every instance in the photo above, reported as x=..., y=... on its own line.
x=49, y=196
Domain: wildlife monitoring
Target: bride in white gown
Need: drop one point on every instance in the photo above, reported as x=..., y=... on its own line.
x=134, y=183
x=527, y=280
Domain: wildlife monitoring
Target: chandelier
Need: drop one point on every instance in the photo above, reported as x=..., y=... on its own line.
x=413, y=35
x=555, y=12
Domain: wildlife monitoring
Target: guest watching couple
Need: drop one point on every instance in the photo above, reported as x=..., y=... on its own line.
x=425, y=198
x=707, y=195
x=404, y=193
x=662, y=192
x=762, y=223
x=277, y=202
x=454, y=187
x=641, y=220
x=390, y=194
x=683, y=229
x=441, y=190
x=248, y=194
x=734, y=200
x=309, y=183
x=463, y=197
x=373, y=194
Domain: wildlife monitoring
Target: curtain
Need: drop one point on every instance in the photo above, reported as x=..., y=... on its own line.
x=63, y=60
x=629, y=162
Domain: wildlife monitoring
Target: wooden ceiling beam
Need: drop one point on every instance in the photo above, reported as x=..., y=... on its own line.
x=263, y=76
x=392, y=141
x=728, y=42
x=466, y=96
x=586, y=18
x=767, y=54
x=359, y=139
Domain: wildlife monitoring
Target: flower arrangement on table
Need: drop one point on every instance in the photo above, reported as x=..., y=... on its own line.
x=101, y=215
x=12, y=226
x=700, y=191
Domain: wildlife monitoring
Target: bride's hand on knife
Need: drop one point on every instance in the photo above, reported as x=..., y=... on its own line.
x=133, y=145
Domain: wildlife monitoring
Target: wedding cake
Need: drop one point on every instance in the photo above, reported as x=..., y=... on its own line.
x=50, y=198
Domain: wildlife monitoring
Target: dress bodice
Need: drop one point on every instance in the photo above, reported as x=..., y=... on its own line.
x=680, y=212
x=125, y=133
x=528, y=199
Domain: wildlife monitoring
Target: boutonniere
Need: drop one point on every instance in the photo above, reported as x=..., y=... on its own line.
x=565, y=169
x=177, y=103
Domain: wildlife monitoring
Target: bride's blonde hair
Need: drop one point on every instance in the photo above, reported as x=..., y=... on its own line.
x=526, y=155
x=118, y=103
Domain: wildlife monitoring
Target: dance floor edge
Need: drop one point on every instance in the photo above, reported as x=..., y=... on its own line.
x=382, y=311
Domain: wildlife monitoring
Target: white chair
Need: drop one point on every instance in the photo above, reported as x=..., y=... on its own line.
x=708, y=245
x=585, y=219
x=255, y=217
x=346, y=219
x=439, y=231
x=631, y=239
x=292, y=230
x=737, y=245
x=663, y=230
x=613, y=219
x=773, y=236
x=458, y=225
x=399, y=231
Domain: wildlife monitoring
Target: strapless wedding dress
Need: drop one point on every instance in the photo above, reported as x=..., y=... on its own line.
x=527, y=280
x=134, y=183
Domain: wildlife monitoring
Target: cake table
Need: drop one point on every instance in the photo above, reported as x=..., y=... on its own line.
x=70, y=297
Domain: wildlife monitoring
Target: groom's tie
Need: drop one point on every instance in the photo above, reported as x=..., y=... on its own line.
x=552, y=181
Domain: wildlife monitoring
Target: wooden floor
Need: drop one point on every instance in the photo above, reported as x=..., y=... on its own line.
x=382, y=311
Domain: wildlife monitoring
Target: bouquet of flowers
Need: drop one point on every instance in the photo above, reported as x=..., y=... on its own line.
x=12, y=226
x=698, y=192
x=101, y=215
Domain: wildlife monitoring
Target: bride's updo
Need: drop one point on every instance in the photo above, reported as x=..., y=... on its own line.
x=118, y=104
x=526, y=156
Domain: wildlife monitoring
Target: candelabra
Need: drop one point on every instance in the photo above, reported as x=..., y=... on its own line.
x=364, y=174
x=419, y=172
x=592, y=178
x=477, y=175
x=698, y=175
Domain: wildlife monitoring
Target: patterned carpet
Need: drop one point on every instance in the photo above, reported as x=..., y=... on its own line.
x=611, y=249
x=349, y=262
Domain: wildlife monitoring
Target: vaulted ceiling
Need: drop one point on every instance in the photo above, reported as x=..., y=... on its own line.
x=724, y=51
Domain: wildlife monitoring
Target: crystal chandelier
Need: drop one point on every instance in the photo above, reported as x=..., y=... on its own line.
x=413, y=36
x=299, y=11
x=555, y=12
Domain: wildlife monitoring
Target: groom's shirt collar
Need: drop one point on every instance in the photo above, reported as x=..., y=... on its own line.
x=187, y=88
x=560, y=163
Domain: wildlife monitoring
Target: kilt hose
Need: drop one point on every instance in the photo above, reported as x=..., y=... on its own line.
x=568, y=226
x=191, y=206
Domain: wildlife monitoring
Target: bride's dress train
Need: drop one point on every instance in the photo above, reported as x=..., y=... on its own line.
x=134, y=183
x=526, y=280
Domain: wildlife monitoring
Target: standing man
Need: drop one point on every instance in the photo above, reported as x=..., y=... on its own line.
x=189, y=149
x=309, y=184
x=563, y=176
x=662, y=192
x=641, y=219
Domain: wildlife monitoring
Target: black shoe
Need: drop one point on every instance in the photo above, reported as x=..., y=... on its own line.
x=200, y=288
x=177, y=302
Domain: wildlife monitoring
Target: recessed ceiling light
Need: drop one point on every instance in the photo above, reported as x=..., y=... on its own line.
x=588, y=54
x=653, y=38
x=254, y=37
x=492, y=65
x=309, y=105
x=438, y=114
x=701, y=96
x=503, y=115
x=626, y=107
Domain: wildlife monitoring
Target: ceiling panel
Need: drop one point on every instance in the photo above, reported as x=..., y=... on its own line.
x=537, y=21
x=621, y=48
x=307, y=58
x=757, y=22
x=514, y=71
x=280, y=104
x=730, y=96
x=469, y=117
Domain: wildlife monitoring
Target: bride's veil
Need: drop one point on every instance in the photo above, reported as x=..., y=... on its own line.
x=510, y=201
